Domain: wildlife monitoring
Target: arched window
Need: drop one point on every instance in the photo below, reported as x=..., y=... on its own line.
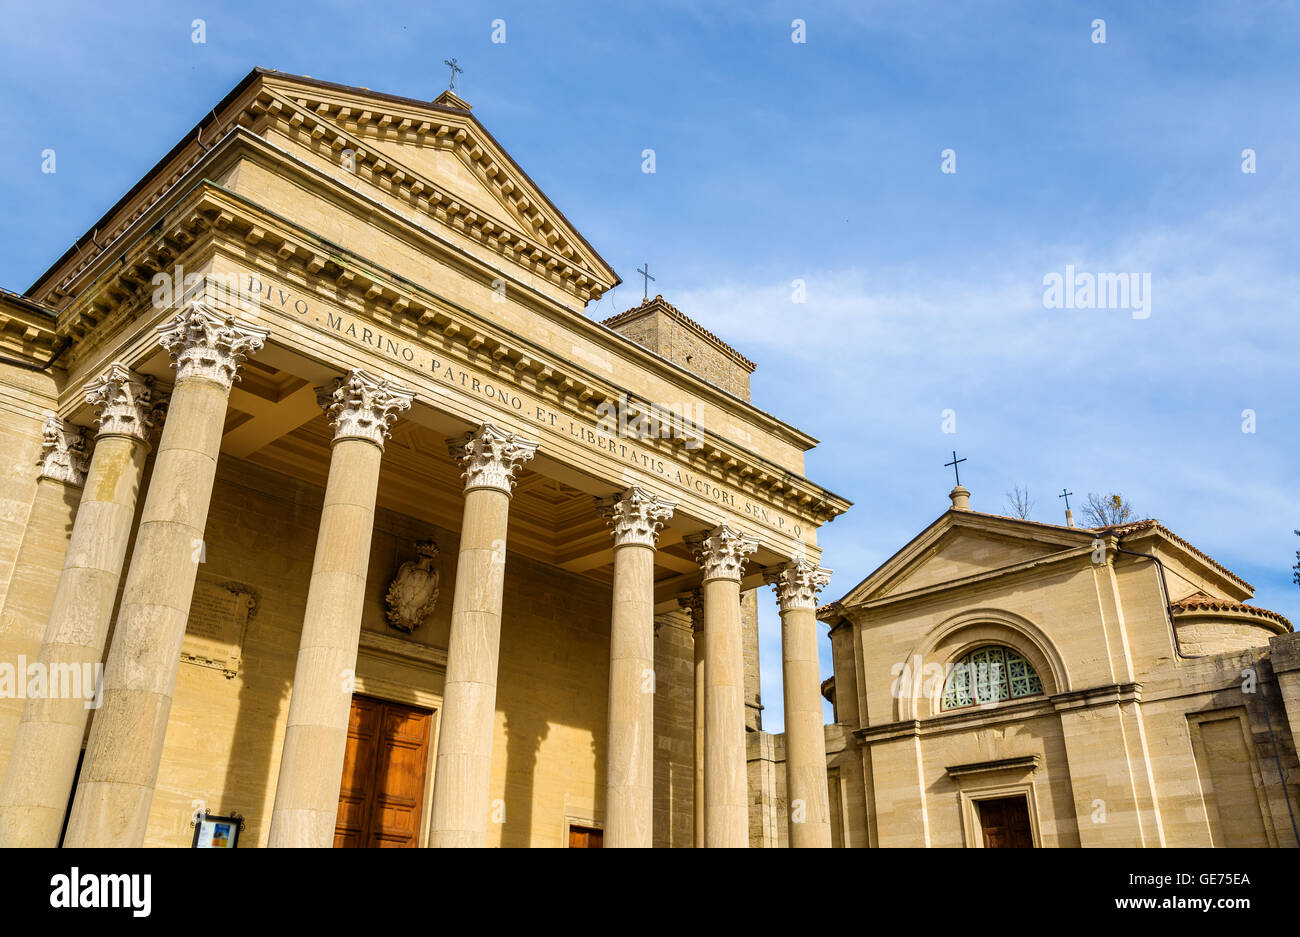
x=989, y=675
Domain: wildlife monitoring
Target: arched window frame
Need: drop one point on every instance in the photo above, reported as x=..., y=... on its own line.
x=1017, y=678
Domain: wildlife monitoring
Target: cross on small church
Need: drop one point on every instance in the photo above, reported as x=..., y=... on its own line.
x=455, y=70
x=954, y=463
x=646, y=274
x=1066, y=495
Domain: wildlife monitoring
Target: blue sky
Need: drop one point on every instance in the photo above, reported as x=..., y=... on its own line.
x=820, y=161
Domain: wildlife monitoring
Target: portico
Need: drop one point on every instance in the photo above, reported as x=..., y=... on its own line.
x=359, y=360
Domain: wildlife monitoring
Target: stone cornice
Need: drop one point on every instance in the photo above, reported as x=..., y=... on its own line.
x=27, y=329
x=937, y=588
x=1007, y=711
x=210, y=214
x=1021, y=763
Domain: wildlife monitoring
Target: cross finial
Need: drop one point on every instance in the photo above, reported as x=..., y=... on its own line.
x=455, y=70
x=955, y=461
x=1066, y=495
x=646, y=274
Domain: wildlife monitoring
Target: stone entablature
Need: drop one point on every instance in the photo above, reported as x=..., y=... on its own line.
x=379, y=290
x=507, y=358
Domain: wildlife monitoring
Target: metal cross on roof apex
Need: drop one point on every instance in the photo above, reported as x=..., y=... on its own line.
x=455, y=70
x=954, y=463
x=646, y=274
x=1066, y=495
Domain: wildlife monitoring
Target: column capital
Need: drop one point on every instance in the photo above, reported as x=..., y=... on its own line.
x=64, y=454
x=204, y=343
x=490, y=457
x=124, y=403
x=692, y=602
x=360, y=405
x=635, y=516
x=721, y=552
x=797, y=583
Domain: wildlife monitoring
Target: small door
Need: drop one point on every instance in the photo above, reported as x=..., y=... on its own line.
x=1005, y=823
x=383, y=775
x=586, y=837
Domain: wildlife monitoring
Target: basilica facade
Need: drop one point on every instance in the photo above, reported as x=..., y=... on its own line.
x=331, y=512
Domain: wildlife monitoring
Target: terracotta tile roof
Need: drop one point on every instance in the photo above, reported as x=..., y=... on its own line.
x=1199, y=601
x=1150, y=523
x=681, y=317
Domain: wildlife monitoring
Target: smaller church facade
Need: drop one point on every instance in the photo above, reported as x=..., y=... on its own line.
x=1002, y=682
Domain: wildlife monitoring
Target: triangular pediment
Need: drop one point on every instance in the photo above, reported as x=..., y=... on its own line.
x=438, y=152
x=961, y=544
x=432, y=161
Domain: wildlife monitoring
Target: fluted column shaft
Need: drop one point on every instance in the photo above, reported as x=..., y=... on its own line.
x=635, y=518
x=43, y=763
x=463, y=768
x=797, y=584
x=361, y=408
x=111, y=807
x=722, y=555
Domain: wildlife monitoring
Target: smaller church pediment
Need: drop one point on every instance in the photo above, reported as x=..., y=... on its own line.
x=960, y=544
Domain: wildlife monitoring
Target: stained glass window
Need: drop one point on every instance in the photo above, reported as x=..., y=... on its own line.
x=989, y=675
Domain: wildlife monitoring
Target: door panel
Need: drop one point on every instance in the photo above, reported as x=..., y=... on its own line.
x=382, y=791
x=1004, y=823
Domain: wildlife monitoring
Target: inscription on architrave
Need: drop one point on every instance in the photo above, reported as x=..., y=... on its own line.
x=214, y=633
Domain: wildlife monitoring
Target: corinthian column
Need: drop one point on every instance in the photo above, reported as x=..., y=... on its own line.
x=722, y=554
x=61, y=475
x=43, y=762
x=126, y=738
x=462, y=773
x=361, y=408
x=635, y=518
x=693, y=603
x=797, y=584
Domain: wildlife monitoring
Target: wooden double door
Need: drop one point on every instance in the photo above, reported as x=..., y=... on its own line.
x=1004, y=823
x=382, y=793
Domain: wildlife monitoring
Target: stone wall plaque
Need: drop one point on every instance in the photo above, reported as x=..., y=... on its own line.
x=214, y=633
